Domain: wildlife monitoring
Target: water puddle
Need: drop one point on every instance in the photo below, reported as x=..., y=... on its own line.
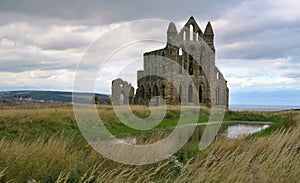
x=229, y=129
x=241, y=130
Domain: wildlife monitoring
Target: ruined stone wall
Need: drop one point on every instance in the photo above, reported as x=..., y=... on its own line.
x=183, y=72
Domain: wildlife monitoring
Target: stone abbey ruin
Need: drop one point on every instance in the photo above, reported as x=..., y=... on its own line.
x=184, y=72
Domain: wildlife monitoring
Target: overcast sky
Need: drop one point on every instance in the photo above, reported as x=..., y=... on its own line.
x=257, y=42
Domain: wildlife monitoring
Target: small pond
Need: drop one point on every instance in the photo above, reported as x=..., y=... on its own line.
x=241, y=130
x=229, y=129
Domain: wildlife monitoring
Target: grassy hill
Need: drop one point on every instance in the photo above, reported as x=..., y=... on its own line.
x=49, y=95
x=44, y=144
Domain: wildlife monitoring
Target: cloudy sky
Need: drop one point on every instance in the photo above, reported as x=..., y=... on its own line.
x=258, y=42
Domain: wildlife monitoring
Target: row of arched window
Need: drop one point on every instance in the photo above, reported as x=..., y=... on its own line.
x=191, y=35
x=156, y=92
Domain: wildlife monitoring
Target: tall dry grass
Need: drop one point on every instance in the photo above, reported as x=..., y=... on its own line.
x=63, y=157
x=264, y=159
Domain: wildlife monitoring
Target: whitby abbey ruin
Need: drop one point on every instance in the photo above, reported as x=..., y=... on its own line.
x=184, y=72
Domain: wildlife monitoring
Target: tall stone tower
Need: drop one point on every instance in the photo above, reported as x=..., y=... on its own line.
x=184, y=72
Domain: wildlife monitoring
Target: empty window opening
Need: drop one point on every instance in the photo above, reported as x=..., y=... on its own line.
x=191, y=32
x=122, y=99
x=180, y=66
x=191, y=65
x=180, y=93
x=180, y=52
x=200, y=94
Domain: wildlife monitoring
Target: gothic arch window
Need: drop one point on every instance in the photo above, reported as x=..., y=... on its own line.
x=190, y=94
x=122, y=98
x=180, y=65
x=181, y=59
x=190, y=65
x=191, y=32
x=184, y=35
x=180, y=51
x=218, y=75
x=200, y=94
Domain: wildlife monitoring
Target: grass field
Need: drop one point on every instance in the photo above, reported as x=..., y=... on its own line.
x=44, y=144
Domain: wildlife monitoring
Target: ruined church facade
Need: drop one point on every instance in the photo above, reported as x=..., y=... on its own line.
x=183, y=72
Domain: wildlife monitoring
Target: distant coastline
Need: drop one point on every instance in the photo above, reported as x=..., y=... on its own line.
x=247, y=107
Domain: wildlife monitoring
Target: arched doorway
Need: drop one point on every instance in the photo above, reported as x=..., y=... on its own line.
x=121, y=99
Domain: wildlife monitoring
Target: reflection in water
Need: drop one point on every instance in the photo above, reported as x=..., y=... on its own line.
x=132, y=141
x=231, y=130
x=240, y=130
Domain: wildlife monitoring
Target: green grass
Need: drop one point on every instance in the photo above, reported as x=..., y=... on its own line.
x=51, y=119
x=44, y=144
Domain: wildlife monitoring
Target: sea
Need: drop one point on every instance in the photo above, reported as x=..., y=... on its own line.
x=242, y=107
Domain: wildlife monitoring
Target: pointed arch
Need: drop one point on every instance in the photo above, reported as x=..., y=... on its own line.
x=121, y=98
x=191, y=70
x=200, y=94
x=155, y=91
x=180, y=93
x=191, y=32
x=180, y=52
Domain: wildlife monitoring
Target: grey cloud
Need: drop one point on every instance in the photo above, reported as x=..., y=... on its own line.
x=106, y=12
x=253, y=31
x=269, y=41
x=22, y=65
